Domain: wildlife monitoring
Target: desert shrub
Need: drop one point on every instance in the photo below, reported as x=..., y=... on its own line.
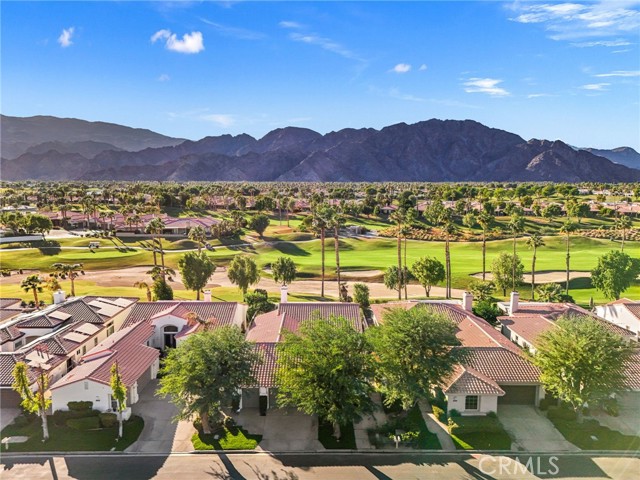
x=108, y=420
x=454, y=413
x=439, y=413
x=492, y=414
x=85, y=423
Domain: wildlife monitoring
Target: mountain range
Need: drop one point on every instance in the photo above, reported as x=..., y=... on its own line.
x=50, y=148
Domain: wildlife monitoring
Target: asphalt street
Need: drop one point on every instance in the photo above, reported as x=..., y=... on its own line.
x=333, y=466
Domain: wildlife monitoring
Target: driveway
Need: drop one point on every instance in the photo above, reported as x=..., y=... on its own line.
x=282, y=429
x=532, y=431
x=159, y=431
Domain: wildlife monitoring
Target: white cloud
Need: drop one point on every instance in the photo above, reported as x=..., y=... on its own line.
x=485, y=85
x=401, y=68
x=221, y=119
x=423, y=67
x=235, y=32
x=573, y=21
x=190, y=43
x=597, y=87
x=164, y=78
x=539, y=95
x=65, y=37
x=603, y=43
x=620, y=73
x=290, y=24
x=324, y=43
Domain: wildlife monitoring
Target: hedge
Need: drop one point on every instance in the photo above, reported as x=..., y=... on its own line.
x=79, y=406
x=108, y=419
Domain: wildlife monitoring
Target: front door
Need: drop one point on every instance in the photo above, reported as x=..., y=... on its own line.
x=170, y=336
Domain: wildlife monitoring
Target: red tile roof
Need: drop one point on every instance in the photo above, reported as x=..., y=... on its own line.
x=265, y=371
x=224, y=312
x=502, y=365
x=265, y=327
x=469, y=381
x=126, y=347
x=633, y=371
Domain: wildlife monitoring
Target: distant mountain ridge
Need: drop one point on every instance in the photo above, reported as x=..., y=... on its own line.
x=622, y=155
x=432, y=150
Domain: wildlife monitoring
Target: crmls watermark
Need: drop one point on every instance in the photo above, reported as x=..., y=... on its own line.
x=510, y=466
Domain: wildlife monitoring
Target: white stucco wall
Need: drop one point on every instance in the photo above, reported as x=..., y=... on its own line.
x=95, y=392
x=486, y=404
x=159, y=324
x=619, y=315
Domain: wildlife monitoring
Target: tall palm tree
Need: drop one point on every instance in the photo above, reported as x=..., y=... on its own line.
x=336, y=220
x=534, y=241
x=399, y=218
x=155, y=227
x=70, y=270
x=406, y=231
x=449, y=228
x=623, y=223
x=198, y=235
x=485, y=219
x=567, y=228
x=144, y=286
x=320, y=217
x=516, y=226
x=33, y=283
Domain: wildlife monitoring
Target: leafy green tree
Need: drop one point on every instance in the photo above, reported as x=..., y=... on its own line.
x=243, y=272
x=488, y=310
x=33, y=402
x=68, y=270
x=203, y=373
x=567, y=229
x=482, y=290
x=516, y=226
x=33, y=283
x=36, y=223
x=428, y=271
x=550, y=292
x=258, y=302
x=361, y=297
x=398, y=217
x=581, y=361
x=119, y=392
x=198, y=235
x=614, y=273
x=161, y=290
x=196, y=270
x=534, y=242
x=142, y=285
x=503, y=271
x=392, y=280
x=623, y=223
x=284, y=270
x=326, y=370
x=259, y=223
x=413, y=353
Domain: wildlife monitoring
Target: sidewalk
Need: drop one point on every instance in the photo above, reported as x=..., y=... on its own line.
x=376, y=419
x=435, y=426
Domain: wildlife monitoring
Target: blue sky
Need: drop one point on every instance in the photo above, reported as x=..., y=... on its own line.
x=567, y=71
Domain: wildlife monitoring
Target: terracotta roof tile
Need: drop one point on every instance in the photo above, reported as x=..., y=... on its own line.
x=297, y=312
x=467, y=380
x=265, y=371
x=145, y=311
x=502, y=365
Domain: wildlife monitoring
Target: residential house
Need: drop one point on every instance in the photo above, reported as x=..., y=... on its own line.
x=623, y=312
x=495, y=371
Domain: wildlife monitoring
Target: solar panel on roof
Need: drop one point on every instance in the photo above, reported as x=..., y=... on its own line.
x=87, y=328
x=97, y=304
x=75, y=337
x=58, y=315
x=35, y=356
x=109, y=310
x=122, y=302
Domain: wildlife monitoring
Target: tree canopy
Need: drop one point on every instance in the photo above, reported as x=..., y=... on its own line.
x=614, y=273
x=202, y=374
x=503, y=271
x=259, y=223
x=413, y=352
x=428, y=271
x=243, y=272
x=581, y=361
x=284, y=270
x=196, y=269
x=326, y=370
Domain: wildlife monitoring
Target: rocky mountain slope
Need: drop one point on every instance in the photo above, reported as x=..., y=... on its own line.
x=623, y=155
x=433, y=150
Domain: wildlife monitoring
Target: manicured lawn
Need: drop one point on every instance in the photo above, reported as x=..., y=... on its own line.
x=347, y=439
x=66, y=439
x=480, y=433
x=607, y=439
x=232, y=438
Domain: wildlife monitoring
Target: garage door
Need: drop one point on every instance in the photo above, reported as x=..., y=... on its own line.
x=518, y=395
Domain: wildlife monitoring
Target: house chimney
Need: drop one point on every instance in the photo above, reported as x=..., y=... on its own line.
x=283, y=293
x=513, y=303
x=207, y=296
x=58, y=297
x=467, y=301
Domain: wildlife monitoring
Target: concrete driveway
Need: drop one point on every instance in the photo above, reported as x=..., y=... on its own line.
x=159, y=431
x=282, y=429
x=532, y=431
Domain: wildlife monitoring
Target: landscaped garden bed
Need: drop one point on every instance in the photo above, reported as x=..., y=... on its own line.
x=409, y=426
x=224, y=436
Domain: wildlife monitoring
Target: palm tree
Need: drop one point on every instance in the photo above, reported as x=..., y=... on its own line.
x=567, y=228
x=623, y=223
x=155, y=227
x=448, y=229
x=64, y=270
x=534, y=241
x=33, y=283
x=144, y=286
x=335, y=221
x=485, y=219
x=398, y=217
x=198, y=235
x=320, y=216
x=516, y=226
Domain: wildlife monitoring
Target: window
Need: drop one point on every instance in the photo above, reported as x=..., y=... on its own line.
x=86, y=385
x=84, y=349
x=95, y=341
x=18, y=344
x=471, y=402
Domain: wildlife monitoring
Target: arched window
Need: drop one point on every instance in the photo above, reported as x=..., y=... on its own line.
x=170, y=335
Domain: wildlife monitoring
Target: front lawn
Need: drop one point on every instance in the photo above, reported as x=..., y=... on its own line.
x=580, y=434
x=347, y=436
x=416, y=435
x=68, y=439
x=479, y=433
x=230, y=437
